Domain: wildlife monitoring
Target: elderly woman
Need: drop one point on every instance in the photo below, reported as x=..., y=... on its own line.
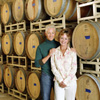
x=64, y=67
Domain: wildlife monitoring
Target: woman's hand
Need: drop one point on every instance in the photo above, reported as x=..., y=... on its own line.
x=62, y=84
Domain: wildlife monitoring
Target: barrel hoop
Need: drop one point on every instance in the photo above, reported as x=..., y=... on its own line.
x=24, y=41
x=89, y=12
x=2, y=71
x=11, y=43
x=62, y=8
x=73, y=12
x=39, y=10
x=67, y=7
x=12, y=76
x=0, y=46
x=98, y=30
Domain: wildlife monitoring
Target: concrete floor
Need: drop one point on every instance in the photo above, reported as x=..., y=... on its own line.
x=5, y=96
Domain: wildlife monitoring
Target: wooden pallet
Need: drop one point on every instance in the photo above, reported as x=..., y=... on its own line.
x=0, y=30
x=33, y=67
x=96, y=14
x=96, y=64
x=2, y=87
x=1, y=59
x=17, y=94
x=41, y=25
x=19, y=61
x=21, y=26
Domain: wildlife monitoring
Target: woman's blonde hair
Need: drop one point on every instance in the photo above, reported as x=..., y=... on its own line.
x=66, y=31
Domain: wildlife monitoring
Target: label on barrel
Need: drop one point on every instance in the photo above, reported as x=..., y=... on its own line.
x=20, y=43
x=8, y=74
x=87, y=90
x=33, y=4
x=54, y=0
x=34, y=84
x=21, y=78
x=33, y=46
x=6, y=42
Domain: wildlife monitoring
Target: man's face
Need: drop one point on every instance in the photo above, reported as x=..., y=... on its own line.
x=50, y=35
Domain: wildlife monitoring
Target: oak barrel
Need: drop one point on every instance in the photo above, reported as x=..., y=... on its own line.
x=6, y=15
x=18, y=10
x=88, y=87
x=33, y=84
x=9, y=76
x=19, y=42
x=31, y=43
x=57, y=8
x=86, y=40
x=7, y=44
x=1, y=73
x=20, y=80
x=34, y=10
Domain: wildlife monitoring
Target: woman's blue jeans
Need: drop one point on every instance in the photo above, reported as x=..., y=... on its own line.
x=46, y=85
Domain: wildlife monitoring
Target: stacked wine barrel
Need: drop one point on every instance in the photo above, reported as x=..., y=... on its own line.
x=25, y=43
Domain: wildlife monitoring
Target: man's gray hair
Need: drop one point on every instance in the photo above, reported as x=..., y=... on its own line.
x=50, y=26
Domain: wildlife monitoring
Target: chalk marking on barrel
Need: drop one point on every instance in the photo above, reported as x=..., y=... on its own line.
x=6, y=11
x=88, y=90
x=54, y=0
x=6, y=42
x=34, y=84
x=33, y=46
x=20, y=43
x=87, y=37
x=33, y=4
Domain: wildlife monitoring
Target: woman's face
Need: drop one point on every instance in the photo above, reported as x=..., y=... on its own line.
x=64, y=40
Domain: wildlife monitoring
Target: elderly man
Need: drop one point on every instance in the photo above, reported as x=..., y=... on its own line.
x=42, y=60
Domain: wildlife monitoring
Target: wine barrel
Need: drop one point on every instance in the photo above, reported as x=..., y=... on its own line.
x=18, y=10
x=33, y=84
x=19, y=42
x=20, y=80
x=1, y=73
x=34, y=10
x=9, y=76
x=88, y=87
x=31, y=43
x=86, y=40
x=7, y=44
x=6, y=16
x=57, y=8
x=84, y=1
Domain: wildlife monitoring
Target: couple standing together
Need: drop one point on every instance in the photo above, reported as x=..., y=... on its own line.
x=58, y=65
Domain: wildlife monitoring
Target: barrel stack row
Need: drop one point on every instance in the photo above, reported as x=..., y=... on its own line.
x=33, y=10
x=24, y=43
x=86, y=40
x=20, y=79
